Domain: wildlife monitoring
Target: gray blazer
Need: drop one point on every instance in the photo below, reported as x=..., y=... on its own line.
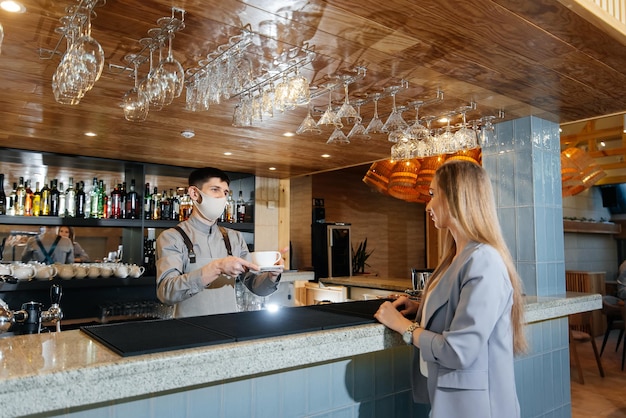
x=468, y=340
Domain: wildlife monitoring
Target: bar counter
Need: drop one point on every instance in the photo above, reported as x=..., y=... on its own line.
x=49, y=373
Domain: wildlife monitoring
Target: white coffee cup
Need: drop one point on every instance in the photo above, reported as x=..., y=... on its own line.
x=265, y=258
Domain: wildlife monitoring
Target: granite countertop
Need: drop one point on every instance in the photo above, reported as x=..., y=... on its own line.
x=67, y=369
x=370, y=282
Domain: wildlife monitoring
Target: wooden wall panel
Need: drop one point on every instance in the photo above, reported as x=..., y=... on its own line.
x=394, y=229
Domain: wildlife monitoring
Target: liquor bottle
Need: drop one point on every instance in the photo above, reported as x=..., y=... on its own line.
x=230, y=208
x=93, y=199
x=174, y=205
x=70, y=200
x=155, y=204
x=102, y=199
x=28, y=205
x=81, y=200
x=241, y=208
x=116, y=202
x=123, y=199
x=3, y=197
x=132, y=202
x=250, y=208
x=185, y=206
x=62, y=200
x=11, y=201
x=20, y=198
x=166, y=210
x=37, y=200
x=54, y=198
x=45, y=198
x=147, y=200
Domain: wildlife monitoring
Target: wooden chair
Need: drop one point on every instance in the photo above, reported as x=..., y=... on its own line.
x=613, y=312
x=581, y=331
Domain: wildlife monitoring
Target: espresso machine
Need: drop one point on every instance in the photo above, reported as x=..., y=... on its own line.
x=29, y=318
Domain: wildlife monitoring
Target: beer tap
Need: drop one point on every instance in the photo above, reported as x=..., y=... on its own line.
x=31, y=316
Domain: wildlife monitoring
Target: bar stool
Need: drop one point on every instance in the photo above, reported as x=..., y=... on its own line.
x=613, y=312
x=581, y=331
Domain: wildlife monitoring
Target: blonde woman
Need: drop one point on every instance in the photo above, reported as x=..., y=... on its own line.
x=470, y=322
x=80, y=255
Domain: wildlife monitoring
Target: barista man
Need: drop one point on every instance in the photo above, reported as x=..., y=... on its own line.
x=198, y=262
x=48, y=248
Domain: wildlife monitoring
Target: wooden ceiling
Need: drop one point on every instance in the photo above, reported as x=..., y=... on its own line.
x=520, y=57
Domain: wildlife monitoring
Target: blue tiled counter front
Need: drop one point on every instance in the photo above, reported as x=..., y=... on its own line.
x=360, y=371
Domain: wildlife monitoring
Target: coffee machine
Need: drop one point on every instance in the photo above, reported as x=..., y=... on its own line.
x=29, y=318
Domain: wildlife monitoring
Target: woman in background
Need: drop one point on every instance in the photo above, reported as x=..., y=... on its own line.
x=80, y=256
x=469, y=325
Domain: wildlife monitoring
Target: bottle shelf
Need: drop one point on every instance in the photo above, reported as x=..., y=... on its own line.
x=121, y=223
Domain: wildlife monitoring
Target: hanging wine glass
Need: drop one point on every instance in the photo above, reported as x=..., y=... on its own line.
x=394, y=121
x=308, y=125
x=376, y=125
x=170, y=70
x=465, y=138
x=338, y=137
x=90, y=52
x=346, y=110
x=329, y=117
x=358, y=130
x=135, y=103
x=399, y=134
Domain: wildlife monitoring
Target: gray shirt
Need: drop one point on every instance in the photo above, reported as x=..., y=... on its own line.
x=63, y=252
x=179, y=281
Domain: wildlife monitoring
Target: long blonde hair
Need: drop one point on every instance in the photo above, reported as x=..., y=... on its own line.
x=466, y=188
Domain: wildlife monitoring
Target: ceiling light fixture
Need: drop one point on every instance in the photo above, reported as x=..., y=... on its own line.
x=12, y=6
x=91, y=134
x=288, y=134
x=272, y=168
x=187, y=133
x=325, y=155
x=228, y=153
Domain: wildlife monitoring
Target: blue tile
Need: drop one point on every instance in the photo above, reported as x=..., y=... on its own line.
x=294, y=386
x=383, y=369
x=383, y=406
x=528, y=273
x=237, y=399
x=548, y=382
x=267, y=393
x=522, y=134
x=537, y=376
x=203, y=402
x=526, y=233
x=174, y=404
x=504, y=136
x=319, y=378
x=402, y=368
x=342, y=383
x=508, y=224
x=346, y=412
x=364, y=377
x=506, y=179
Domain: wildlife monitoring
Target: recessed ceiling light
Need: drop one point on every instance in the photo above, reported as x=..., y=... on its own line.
x=325, y=155
x=91, y=134
x=12, y=6
x=228, y=153
x=443, y=120
x=187, y=133
x=288, y=134
x=272, y=168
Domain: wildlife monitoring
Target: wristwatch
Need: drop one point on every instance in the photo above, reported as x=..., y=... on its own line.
x=408, y=334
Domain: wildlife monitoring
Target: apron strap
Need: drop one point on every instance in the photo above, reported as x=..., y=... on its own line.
x=48, y=254
x=192, y=254
x=226, y=240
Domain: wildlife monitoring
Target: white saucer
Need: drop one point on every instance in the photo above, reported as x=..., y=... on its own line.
x=270, y=268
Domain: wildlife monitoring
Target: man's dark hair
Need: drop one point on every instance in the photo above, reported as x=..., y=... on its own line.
x=201, y=175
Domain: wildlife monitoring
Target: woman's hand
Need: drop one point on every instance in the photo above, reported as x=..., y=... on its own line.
x=392, y=314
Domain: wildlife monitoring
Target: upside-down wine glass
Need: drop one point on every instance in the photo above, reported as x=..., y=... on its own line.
x=308, y=125
x=376, y=125
x=394, y=121
x=329, y=117
x=358, y=130
x=135, y=103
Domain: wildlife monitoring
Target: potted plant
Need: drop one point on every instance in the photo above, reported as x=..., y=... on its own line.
x=359, y=257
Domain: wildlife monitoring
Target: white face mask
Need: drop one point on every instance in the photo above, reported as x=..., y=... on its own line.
x=211, y=207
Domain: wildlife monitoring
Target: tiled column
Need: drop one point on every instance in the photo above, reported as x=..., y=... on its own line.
x=525, y=167
x=524, y=163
